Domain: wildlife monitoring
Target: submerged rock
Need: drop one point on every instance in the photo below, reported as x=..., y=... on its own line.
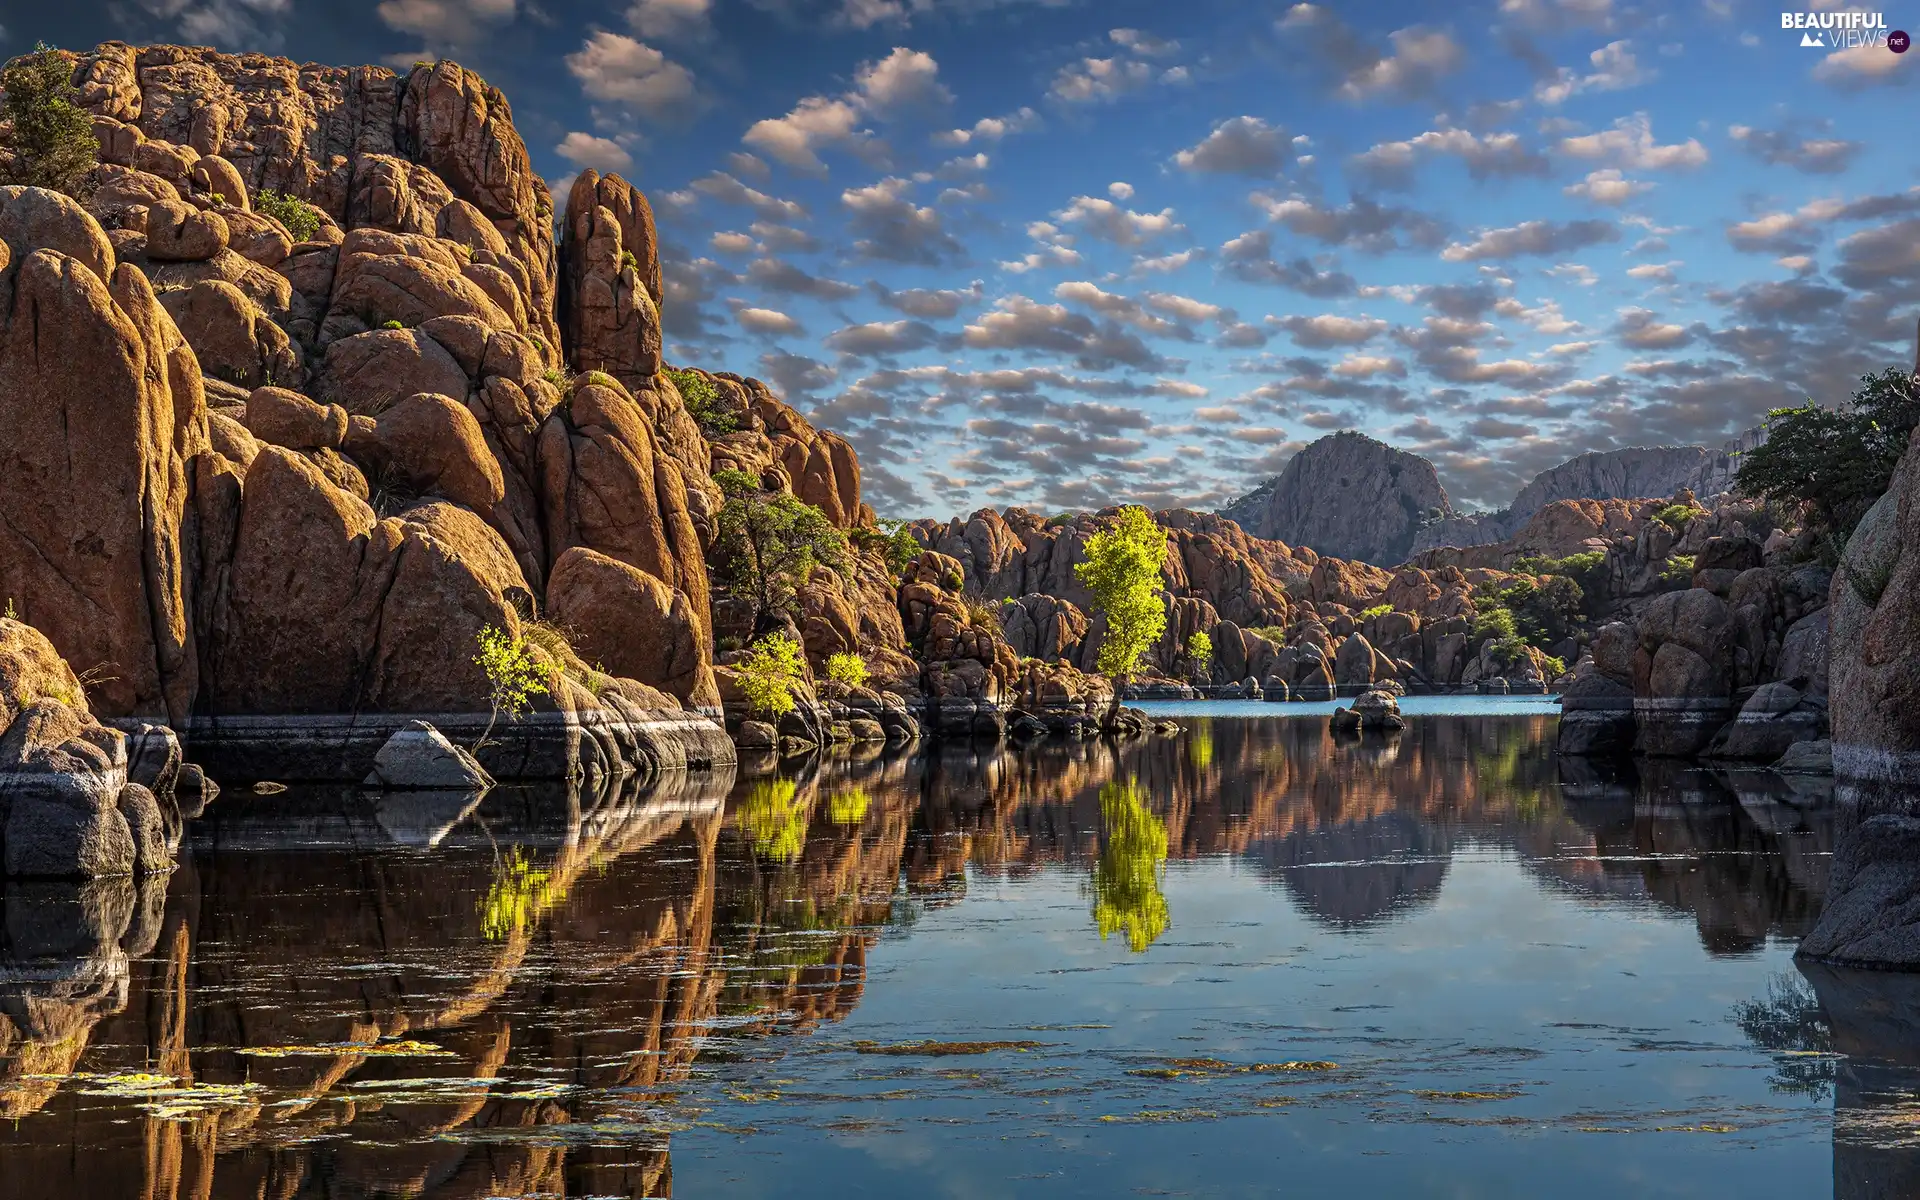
x=420, y=756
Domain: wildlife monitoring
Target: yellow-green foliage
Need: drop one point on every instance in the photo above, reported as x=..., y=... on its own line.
x=1200, y=649
x=1126, y=879
x=518, y=894
x=1678, y=516
x=848, y=807
x=774, y=819
x=1123, y=573
x=559, y=647
x=1378, y=610
x=768, y=672
x=847, y=668
x=512, y=674
x=1200, y=743
x=982, y=613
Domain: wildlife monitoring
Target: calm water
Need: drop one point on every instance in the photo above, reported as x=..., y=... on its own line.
x=1419, y=967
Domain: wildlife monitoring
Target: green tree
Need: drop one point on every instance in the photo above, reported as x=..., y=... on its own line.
x=1833, y=463
x=893, y=542
x=768, y=543
x=1200, y=651
x=847, y=668
x=1122, y=571
x=51, y=141
x=768, y=673
x=514, y=678
x=1126, y=878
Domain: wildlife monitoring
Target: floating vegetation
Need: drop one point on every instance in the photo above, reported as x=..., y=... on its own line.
x=1178, y=1067
x=1149, y=1116
x=1428, y=1094
x=267, y=787
x=166, y=1096
x=363, y=1049
x=943, y=1048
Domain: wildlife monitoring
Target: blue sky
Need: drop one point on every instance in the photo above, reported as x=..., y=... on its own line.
x=1064, y=253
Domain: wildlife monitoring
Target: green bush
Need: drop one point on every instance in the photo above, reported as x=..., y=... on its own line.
x=768, y=543
x=514, y=678
x=1378, y=610
x=982, y=612
x=1676, y=571
x=768, y=674
x=1678, y=516
x=1495, y=623
x=703, y=402
x=556, y=377
x=391, y=325
x=847, y=668
x=50, y=137
x=302, y=220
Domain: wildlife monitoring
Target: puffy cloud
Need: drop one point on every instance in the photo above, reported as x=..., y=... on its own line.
x=1630, y=144
x=776, y=275
x=928, y=304
x=1642, y=329
x=1362, y=224
x=1093, y=79
x=1560, y=15
x=1418, y=59
x=767, y=321
x=796, y=139
x=253, y=24
x=437, y=22
x=1800, y=231
x=1532, y=238
x=1780, y=147
x=670, y=18
x=1614, y=68
x=618, y=69
x=1111, y=222
x=727, y=190
x=1494, y=155
x=1363, y=366
x=1863, y=66
x=990, y=129
x=1249, y=258
x=889, y=226
x=904, y=79
x=1018, y=323
x=1607, y=186
x=1239, y=146
x=1321, y=332
x=877, y=339
x=1659, y=272
x=601, y=154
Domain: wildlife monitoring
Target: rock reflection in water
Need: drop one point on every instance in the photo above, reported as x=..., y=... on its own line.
x=339, y=994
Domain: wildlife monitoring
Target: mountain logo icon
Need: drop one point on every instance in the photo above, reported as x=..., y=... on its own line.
x=1812, y=39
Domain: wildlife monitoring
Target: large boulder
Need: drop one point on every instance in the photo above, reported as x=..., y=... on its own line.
x=102, y=403
x=632, y=624
x=1683, y=672
x=420, y=757
x=611, y=289
x=1347, y=496
x=1874, y=642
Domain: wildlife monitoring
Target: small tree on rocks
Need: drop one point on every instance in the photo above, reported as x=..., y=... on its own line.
x=769, y=543
x=51, y=143
x=1123, y=573
x=768, y=674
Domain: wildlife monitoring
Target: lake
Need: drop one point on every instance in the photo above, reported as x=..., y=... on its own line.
x=1245, y=961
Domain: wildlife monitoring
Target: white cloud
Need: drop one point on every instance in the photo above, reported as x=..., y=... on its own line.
x=668, y=19
x=1866, y=65
x=767, y=320
x=444, y=22
x=1363, y=366
x=904, y=79
x=1110, y=222
x=990, y=129
x=1238, y=146
x=796, y=139
x=1606, y=186
x=1661, y=272
x=1630, y=144
x=601, y=154
x=249, y=24
x=1120, y=190
x=619, y=69
x=1614, y=68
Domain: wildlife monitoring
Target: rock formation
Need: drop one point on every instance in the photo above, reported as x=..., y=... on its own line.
x=1347, y=496
x=1598, y=476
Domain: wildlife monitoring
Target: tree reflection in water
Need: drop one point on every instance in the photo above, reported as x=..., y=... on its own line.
x=1126, y=879
x=1788, y=1020
x=774, y=819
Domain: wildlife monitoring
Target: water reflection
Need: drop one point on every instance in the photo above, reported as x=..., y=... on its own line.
x=341, y=995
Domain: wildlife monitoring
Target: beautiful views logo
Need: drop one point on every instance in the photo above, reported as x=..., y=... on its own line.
x=1837, y=30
